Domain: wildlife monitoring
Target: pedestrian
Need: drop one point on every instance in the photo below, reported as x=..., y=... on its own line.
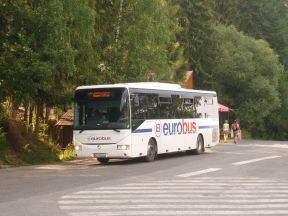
x=225, y=130
x=235, y=128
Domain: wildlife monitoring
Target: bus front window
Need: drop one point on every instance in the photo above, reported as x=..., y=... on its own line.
x=101, y=109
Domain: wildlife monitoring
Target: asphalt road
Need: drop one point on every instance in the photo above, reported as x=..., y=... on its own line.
x=249, y=178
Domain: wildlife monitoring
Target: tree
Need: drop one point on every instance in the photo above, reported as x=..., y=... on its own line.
x=24, y=72
x=195, y=23
x=44, y=44
x=134, y=47
x=246, y=74
x=261, y=19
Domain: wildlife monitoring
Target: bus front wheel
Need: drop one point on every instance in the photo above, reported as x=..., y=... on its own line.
x=151, y=151
x=103, y=160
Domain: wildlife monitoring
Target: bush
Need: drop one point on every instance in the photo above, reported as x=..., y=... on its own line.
x=68, y=153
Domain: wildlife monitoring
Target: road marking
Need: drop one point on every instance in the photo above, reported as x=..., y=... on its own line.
x=186, y=196
x=269, y=146
x=165, y=200
x=171, y=206
x=215, y=195
x=164, y=212
x=183, y=191
x=256, y=160
x=255, y=186
x=200, y=172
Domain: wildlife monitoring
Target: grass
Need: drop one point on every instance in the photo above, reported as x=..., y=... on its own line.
x=7, y=156
x=31, y=156
x=67, y=154
x=27, y=156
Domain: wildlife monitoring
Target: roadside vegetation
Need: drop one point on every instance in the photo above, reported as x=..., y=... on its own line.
x=238, y=48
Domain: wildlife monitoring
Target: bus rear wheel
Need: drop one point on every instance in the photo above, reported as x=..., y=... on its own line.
x=151, y=151
x=199, y=146
x=103, y=160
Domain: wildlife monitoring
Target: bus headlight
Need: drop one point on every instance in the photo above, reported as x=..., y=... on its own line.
x=123, y=147
x=78, y=147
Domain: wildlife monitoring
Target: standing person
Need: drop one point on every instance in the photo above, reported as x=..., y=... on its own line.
x=235, y=130
x=225, y=130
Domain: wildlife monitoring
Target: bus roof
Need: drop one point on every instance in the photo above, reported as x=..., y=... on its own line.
x=145, y=85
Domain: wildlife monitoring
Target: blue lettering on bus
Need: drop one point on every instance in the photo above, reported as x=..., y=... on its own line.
x=165, y=129
x=184, y=127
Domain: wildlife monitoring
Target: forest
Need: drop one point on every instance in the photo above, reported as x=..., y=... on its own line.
x=239, y=48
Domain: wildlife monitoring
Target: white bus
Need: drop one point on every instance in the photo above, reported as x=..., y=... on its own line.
x=143, y=120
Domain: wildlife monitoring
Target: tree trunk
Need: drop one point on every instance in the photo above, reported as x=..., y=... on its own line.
x=47, y=114
x=26, y=114
x=40, y=108
x=14, y=108
x=30, y=120
x=39, y=116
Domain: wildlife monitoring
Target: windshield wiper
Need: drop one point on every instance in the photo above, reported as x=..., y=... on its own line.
x=117, y=130
x=81, y=130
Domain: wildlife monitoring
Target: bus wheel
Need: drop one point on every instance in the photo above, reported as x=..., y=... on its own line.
x=103, y=160
x=199, y=147
x=151, y=151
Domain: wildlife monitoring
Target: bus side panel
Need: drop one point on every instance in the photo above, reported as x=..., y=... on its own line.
x=209, y=123
x=140, y=138
x=209, y=128
x=176, y=135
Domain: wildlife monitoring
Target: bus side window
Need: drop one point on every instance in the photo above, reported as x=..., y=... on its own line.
x=164, y=107
x=175, y=108
x=197, y=107
x=152, y=106
x=188, y=108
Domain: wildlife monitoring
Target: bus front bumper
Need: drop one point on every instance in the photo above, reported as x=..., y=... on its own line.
x=103, y=151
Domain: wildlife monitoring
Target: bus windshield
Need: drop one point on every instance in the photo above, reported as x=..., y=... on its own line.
x=101, y=109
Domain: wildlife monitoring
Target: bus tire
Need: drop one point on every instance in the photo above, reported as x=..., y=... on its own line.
x=103, y=160
x=151, y=151
x=199, y=146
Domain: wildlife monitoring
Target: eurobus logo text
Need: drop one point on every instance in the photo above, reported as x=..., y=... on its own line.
x=174, y=128
x=93, y=138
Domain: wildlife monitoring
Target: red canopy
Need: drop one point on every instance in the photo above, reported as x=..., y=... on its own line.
x=222, y=108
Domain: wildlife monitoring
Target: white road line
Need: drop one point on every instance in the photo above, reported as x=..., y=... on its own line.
x=165, y=206
x=196, y=186
x=214, y=179
x=211, y=184
x=182, y=196
x=184, y=191
x=200, y=172
x=182, y=201
x=269, y=146
x=255, y=160
x=165, y=212
x=212, y=195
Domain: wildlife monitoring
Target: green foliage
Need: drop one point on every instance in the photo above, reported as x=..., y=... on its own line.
x=245, y=72
x=3, y=145
x=41, y=155
x=43, y=131
x=48, y=47
x=265, y=19
x=43, y=45
x=143, y=45
x=67, y=154
x=194, y=19
x=135, y=41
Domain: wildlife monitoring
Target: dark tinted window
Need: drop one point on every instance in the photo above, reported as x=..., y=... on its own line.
x=102, y=109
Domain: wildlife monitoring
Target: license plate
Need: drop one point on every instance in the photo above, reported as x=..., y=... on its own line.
x=99, y=155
